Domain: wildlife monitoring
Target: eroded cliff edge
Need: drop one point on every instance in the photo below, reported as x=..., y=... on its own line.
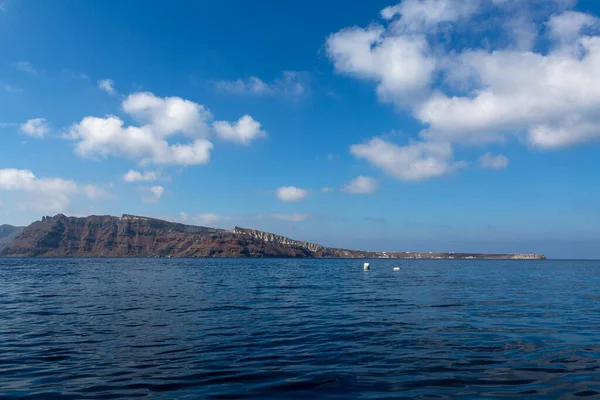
x=134, y=236
x=8, y=233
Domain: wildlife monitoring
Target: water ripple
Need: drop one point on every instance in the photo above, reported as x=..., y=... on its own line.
x=271, y=329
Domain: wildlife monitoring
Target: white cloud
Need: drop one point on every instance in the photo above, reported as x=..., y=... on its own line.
x=290, y=217
x=252, y=85
x=152, y=194
x=75, y=74
x=567, y=27
x=291, y=83
x=168, y=115
x=161, y=119
x=136, y=176
x=423, y=15
x=107, y=136
x=552, y=98
x=291, y=193
x=36, y=127
x=245, y=130
x=25, y=66
x=497, y=87
x=326, y=190
x=147, y=144
x=107, y=85
x=361, y=185
x=401, y=66
x=46, y=194
x=490, y=161
x=96, y=193
x=414, y=162
x=184, y=217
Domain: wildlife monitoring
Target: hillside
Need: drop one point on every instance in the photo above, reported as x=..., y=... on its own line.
x=133, y=236
x=7, y=234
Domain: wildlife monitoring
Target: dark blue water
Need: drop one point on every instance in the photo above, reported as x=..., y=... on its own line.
x=231, y=329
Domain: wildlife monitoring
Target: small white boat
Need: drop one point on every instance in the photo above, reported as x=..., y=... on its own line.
x=396, y=268
x=366, y=267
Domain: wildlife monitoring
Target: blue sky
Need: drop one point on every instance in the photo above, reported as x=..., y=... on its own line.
x=423, y=125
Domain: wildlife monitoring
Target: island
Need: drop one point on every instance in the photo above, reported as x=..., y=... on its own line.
x=135, y=236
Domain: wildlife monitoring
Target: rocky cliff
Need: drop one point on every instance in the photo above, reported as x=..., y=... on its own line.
x=273, y=238
x=133, y=236
x=7, y=234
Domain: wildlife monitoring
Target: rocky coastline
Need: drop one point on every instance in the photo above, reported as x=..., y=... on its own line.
x=135, y=236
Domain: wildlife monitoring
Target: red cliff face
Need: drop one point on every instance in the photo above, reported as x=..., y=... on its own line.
x=132, y=236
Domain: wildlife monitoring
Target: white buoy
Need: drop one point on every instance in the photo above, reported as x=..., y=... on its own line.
x=366, y=267
x=396, y=268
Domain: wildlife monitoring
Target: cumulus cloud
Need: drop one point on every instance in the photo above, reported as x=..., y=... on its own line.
x=542, y=95
x=401, y=66
x=25, y=66
x=168, y=115
x=136, y=176
x=152, y=194
x=291, y=83
x=414, y=162
x=490, y=161
x=36, y=127
x=107, y=85
x=418, y=16
x=291, y=193
x=502, y=85
x=160, y=120
x=47, y=194
x=361, y=185
x=107, y=136
x=245, y=130
x=566, y=27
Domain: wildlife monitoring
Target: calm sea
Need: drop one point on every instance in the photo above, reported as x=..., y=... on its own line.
x=283, y=329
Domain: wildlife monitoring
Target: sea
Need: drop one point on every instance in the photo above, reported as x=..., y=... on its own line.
x=298, y=328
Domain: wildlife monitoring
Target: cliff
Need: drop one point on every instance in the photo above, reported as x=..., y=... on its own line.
x=7, y=234
x=133, y=236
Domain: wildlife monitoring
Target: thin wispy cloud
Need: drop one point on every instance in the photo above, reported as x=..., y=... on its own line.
x=108, y=86
x=25, y=66
x=152, y=194
x=291, y=84
x=9, y=88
